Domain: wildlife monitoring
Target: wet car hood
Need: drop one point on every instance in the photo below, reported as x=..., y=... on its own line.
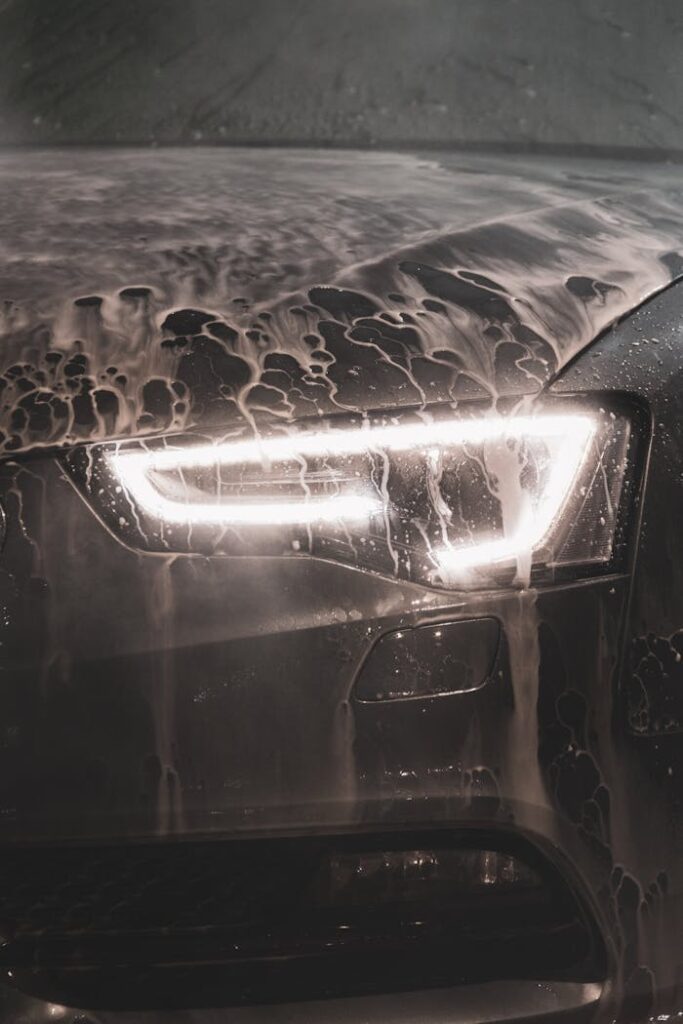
x=163, y=290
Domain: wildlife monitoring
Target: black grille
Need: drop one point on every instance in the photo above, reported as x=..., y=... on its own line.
x=265, y=920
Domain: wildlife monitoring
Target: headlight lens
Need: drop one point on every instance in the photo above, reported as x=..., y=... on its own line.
x=450, y=502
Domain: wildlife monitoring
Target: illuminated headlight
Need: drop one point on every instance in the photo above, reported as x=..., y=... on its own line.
x=441, y=500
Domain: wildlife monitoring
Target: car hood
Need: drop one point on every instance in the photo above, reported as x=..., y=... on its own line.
x=159, y=291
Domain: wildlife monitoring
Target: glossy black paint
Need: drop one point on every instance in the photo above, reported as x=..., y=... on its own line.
x=163, y=696
x=265, y=286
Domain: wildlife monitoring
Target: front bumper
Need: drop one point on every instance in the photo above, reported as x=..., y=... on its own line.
x=156, y=698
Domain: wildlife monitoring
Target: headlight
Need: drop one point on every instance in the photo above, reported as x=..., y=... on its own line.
x=445, y=501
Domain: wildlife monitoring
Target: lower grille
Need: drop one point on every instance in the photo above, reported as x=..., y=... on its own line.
x=254, y=921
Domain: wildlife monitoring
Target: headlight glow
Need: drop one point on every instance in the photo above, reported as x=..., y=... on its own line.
x=566, y=436
x=444, y=501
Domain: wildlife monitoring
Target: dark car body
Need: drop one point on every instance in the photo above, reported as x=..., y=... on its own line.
x=175, y=709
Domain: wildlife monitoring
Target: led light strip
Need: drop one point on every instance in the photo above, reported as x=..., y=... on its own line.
x=342, y=507
x=394, y=437
x=574, y=431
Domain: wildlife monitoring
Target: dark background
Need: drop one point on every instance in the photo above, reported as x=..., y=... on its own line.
x=563, y=72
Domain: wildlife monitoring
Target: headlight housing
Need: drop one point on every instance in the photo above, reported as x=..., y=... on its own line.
x=443, y=500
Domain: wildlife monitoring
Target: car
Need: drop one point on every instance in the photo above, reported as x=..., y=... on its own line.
x=342, y=603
